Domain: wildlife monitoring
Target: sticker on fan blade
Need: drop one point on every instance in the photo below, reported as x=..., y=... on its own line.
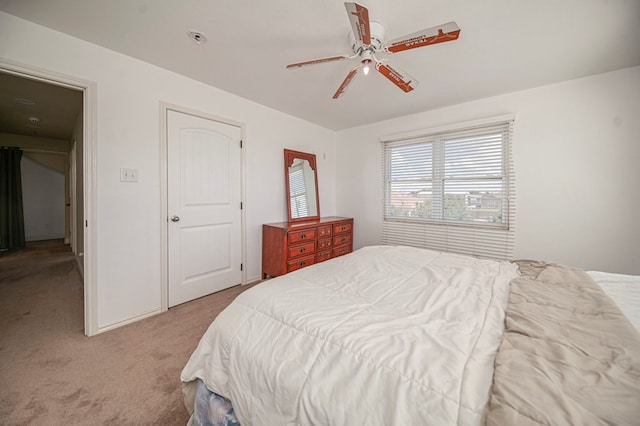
x=317, y=61
x=345, y=83
x=395, y=77
x=423, y=38
x=359, y=21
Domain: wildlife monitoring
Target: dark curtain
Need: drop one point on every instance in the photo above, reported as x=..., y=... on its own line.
x=11, y=213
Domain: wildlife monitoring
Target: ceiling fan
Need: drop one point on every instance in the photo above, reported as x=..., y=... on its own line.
x=367, y=39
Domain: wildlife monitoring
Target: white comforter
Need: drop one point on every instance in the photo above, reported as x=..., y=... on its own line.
x=383, y=336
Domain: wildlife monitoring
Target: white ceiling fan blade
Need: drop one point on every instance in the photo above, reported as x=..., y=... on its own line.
x=359, y=18
x=404, y=81
x=445, y=32
x=318, y=61
x=345, y=83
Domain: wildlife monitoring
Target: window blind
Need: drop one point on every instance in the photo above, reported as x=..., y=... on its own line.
x=451, y=190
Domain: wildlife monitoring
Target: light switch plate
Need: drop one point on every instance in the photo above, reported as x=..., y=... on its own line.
x=128, y=175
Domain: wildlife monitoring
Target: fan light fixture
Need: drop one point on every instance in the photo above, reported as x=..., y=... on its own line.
x=366, y=61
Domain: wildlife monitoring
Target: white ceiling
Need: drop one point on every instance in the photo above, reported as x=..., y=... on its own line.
x=504, y=46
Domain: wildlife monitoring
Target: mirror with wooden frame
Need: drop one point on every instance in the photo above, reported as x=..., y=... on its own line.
x=301, y=176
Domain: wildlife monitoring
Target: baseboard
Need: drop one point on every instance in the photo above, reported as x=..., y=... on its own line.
x=32, y=238
x=128, y=321
x=253, y=280
x=80, y=262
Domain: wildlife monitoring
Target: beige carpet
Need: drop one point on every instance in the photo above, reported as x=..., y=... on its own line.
x=51, y=374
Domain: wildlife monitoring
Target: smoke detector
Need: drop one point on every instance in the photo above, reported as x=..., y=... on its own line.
x=197, y=37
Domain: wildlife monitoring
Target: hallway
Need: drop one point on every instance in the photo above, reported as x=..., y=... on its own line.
x=41, y=292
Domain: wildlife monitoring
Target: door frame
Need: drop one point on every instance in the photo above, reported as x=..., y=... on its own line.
x=165, y=107
x=73, y=177
x=89, y=129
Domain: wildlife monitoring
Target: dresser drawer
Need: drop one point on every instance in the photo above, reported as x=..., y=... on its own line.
x=339, y=240
x=302, y=249
x=292, y=265
x=324, y=231
x=324, y=244
x=323, y=255
x=300, y=236
x=339, y=251
x=344, y=227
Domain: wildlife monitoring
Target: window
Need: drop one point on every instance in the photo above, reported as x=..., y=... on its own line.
x=451, y=189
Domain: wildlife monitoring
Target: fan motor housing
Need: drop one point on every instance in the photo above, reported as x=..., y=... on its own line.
x=377, y=37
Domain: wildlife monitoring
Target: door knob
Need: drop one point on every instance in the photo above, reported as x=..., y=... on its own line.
x=175, y=218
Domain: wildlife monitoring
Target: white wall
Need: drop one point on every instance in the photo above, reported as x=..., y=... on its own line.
x=577, y=165
x=43, y=200
x=129, y=93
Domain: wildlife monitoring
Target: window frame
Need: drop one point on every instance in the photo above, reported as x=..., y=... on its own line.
x=438, y=232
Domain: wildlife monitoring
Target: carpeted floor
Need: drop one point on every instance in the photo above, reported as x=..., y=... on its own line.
x=51, y=374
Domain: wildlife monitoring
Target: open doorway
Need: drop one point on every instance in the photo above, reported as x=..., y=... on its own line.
x=45, y=119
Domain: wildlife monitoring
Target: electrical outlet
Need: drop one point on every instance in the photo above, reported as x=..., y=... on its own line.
x=128, y=175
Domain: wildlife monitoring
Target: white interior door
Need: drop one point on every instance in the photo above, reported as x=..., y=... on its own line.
x=204, y=195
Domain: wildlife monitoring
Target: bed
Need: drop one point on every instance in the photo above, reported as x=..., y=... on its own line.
x=399, y=335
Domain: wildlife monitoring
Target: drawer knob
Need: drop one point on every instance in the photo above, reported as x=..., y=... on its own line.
x=302, y=263
x=303, y=236
x=302, y=250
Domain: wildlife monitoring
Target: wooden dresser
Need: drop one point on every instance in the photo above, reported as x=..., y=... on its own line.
x=290, y=246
